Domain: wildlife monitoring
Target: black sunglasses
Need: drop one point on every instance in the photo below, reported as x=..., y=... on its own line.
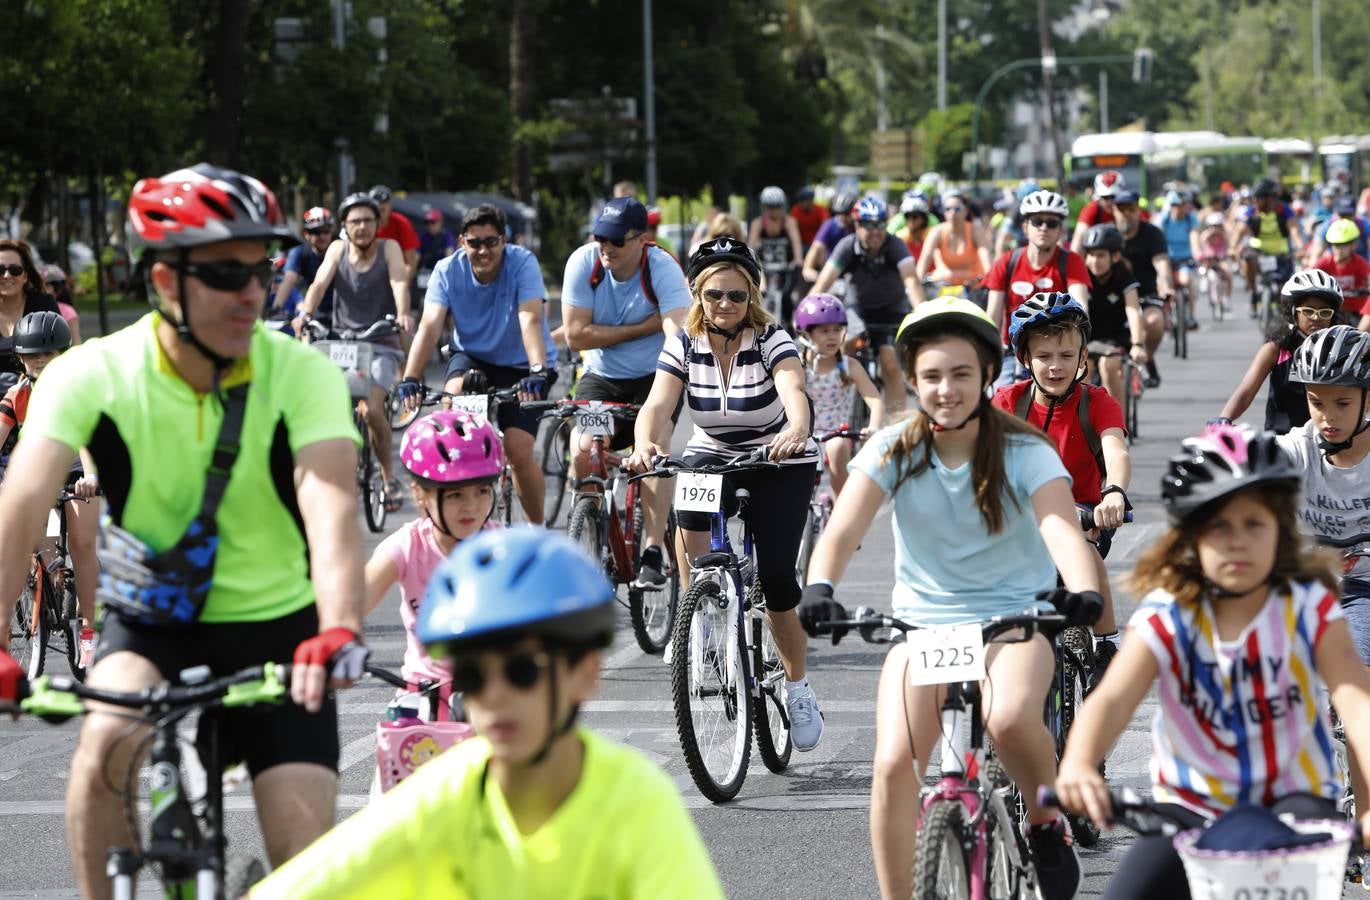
x=734, y=296
x=1048, y=224
x=489, y=242
x=520, y=670
x=229, y=275
x=13, y=270
x=620, y=242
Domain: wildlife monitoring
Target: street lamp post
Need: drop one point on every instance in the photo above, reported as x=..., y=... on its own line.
x=649, y=99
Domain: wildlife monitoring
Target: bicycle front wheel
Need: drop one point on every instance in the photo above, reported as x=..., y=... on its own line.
x=1067, y=695
x=940, y=867
x=1004, y=851
x=370, y=483
x=712, y=703
x=653, y=611
x=771, y=722
x=583, y=528
x=31, y=625
x=556, y=469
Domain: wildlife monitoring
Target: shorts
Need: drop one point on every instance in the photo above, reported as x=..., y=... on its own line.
x=621, y=390
x=261, y=736
x=507, y=415
x=1357, y=612
x=882, y=325
x=386, y=365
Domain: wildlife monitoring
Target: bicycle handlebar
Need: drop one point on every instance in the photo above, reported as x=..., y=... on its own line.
x=867, y=623
x=385, y=327
x=842, y=431
x=566, y=408
x=666, y=467
x=56, y=698
x=1087, y=517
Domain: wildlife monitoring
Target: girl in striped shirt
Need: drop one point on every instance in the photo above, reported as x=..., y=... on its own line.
x=1239, y=627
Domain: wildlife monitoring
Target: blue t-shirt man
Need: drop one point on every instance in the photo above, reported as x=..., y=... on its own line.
x=304, y=261
x=1177, y=231
x=614, y=302
x=486, y=316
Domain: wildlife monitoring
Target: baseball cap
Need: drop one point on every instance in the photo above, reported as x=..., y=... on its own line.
x=1345, y=206
x=620, y=216
x=1125, y=198
x=804, y=193
x=380, y=193
x=432, y=216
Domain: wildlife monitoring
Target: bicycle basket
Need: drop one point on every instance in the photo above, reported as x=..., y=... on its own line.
x=1316, y=870
x=400, y=749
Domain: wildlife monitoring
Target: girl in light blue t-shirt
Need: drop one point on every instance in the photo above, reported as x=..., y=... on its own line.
x=983, y=519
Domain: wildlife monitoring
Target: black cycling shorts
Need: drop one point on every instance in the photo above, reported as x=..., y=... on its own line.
x=621, y=390
x=261, y=736
x=510, y=414
x=882, y=325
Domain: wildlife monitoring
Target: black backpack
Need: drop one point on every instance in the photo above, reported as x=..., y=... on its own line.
x=1092, y=441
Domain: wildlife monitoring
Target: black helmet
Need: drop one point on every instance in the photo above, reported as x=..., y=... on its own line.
x=1222, y=460
x=842, y=203
x=380, y=193
x=723, y=250
x=1103, y=237
x=1265, y=188
x=42, y=332
x=355, y=200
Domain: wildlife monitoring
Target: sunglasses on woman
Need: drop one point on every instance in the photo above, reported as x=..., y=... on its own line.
x=519, y=670
x=12, y=270
x=1316, y=313
x=737, y=296
x=229, y=275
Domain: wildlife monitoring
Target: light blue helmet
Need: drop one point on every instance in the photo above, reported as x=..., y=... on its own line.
x=506, y=584
x=871, y=209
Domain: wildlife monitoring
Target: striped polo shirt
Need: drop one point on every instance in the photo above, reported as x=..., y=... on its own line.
x=733, y=417
x=1253, y=729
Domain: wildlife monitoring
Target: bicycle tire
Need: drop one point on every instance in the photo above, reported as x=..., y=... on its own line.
x=1004, y=851
x=36, y=602
x=70, y=612
x=807, y=539
x=771, y=721
x=1071, y=684
x=653, y=617
x=940, y=867
x=556, y=469
x=373, y=491
x=505, y=487
x=698, y=628
x=583, y=527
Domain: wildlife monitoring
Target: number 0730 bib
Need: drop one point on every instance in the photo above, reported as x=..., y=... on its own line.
x=946, y=655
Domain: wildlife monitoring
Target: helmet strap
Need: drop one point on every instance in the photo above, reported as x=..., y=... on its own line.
x=1054, y=399
x=182, y=322
x=1330, y=448
x=980, y=408
x=728, y=335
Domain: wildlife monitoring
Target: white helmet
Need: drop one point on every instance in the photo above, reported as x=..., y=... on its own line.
x=772, y=196
x=1048, y=202
x=1310, y=283
x=913, y=203
x=1108, y=184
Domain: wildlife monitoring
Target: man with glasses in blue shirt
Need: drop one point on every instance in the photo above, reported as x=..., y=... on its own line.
x=495, y=294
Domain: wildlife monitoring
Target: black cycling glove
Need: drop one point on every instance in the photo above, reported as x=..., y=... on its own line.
x=474, y=381
x=1083, y=608
x=817, y=608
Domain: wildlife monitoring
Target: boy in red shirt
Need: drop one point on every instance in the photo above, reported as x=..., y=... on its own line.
x=1349, y=268
x=1049, y=333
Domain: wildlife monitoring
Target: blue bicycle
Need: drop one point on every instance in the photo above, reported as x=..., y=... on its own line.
x=726, y=674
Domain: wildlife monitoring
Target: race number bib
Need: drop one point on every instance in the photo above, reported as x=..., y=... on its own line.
x=1267, y=262
x=699, y=493
x=343, y=354
x=594, y=420
x=475, y=404
x=946, y=655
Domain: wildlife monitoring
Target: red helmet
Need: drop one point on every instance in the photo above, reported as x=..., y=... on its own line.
x=653, y=217
x=318, y=218
x=204, y=205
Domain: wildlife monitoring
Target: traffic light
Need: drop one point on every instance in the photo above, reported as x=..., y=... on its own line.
x=1142, y=58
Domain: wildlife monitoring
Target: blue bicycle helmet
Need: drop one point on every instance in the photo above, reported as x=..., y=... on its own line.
x=1041, y=308
x=871, y=209
x=503, y=585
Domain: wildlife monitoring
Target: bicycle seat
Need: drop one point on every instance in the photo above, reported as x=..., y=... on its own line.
x=713, y=560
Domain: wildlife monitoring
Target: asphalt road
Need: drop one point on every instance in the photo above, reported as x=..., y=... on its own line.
x=801, y=834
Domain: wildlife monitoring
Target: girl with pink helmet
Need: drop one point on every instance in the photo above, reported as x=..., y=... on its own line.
x=832, y=379
x=453, y=459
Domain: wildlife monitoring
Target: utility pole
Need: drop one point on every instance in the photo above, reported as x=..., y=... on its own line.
x=942, y=54
x=1317, y=63
x=1103, y=101
x=344, y=152
x=1048, y=79
x=649, y=99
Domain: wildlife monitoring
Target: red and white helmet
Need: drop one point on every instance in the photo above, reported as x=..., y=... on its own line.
x=449, y=448
x=1108, y=184
x=204, y=204
x=318, y=218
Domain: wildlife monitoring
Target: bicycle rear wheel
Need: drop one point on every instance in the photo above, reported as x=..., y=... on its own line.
x=1179, y=328
x=712, y=703
x=653, y=611
x=583, y=527
x=1132, y=395
x=771, y=722
x=69, y=613
x=940, y=868
x=31, y=625
x=1066, y=696
x=556, y=468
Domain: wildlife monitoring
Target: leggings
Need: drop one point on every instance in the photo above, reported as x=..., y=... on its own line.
x=779, y=502
x=1153, y=869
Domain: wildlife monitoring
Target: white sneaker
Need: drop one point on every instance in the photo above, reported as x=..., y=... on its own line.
x=806, y=719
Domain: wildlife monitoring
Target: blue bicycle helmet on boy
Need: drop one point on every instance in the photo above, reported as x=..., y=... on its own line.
x=1041, y=308
x=502, y=585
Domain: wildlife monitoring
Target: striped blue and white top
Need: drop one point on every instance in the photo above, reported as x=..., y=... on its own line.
x=735, y=417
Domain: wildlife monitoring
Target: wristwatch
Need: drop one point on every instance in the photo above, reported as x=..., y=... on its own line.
x=537, y=370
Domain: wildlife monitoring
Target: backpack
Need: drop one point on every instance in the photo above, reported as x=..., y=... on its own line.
x=648, y=289
x=858, y=253
x=1092, y=441
x=1062, y=255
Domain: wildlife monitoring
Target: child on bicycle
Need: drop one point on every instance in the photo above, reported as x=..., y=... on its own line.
x=453, y=460
x=1213, y=247
x=1349, y=268
x=1049, y=334
x=983, y=519
x=534, y=807
x=39, y=338
x=1310, y=301
x=1239, y=625
x=1115, y=312
x=833, y=380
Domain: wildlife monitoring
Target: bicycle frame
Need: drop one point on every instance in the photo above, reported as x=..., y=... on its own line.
x=719, y=543
x=618, y=538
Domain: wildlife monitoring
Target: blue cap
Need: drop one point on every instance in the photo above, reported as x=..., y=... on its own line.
x=1345, y=207
x=620, y=216
x=1125, y=197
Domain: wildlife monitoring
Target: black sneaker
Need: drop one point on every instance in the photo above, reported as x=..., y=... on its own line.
x=1053, y=854
x=1104, y=652
x=1153, y=377
x=651, y=574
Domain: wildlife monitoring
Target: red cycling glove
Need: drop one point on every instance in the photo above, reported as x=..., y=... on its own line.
x=10, y=675
x=338, y=648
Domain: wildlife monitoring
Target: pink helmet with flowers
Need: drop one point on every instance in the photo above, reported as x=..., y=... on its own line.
x=819, y=309
x=448, y=447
